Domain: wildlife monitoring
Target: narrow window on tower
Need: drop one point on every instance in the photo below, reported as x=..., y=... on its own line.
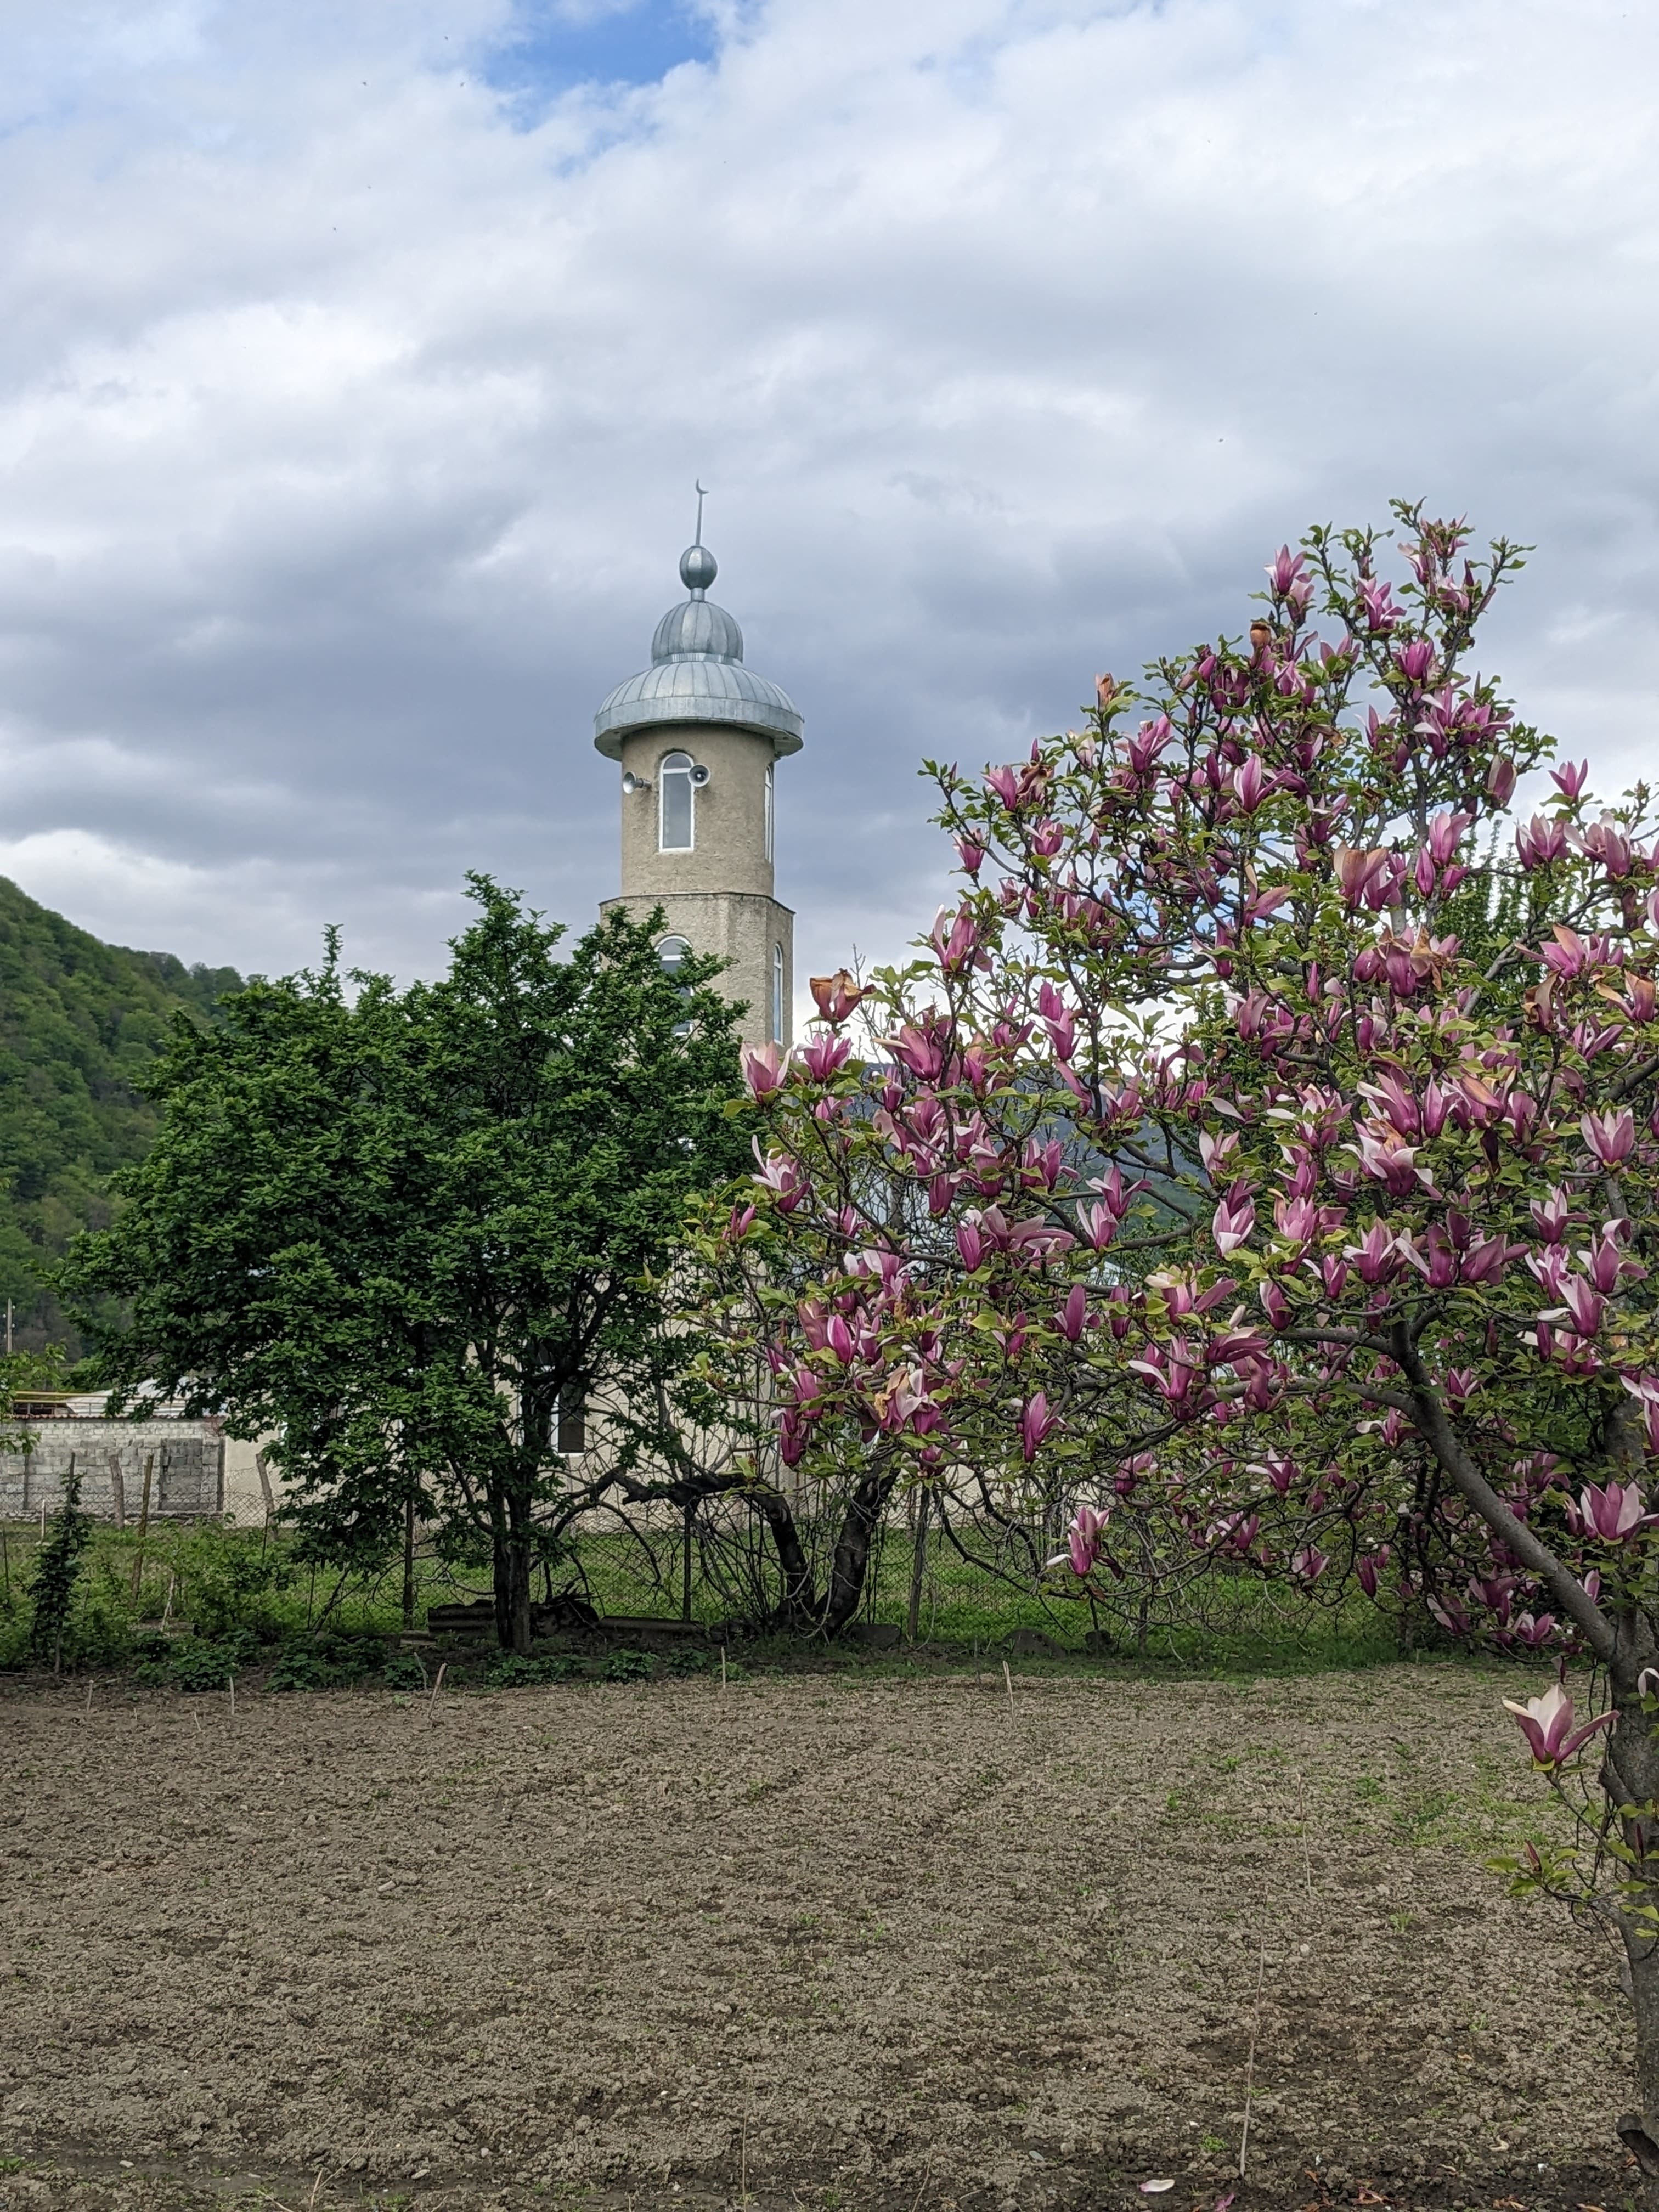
x=676, y=832
x=673, y=954
x=572, y=1435
x=777, y=994
x=768, y=816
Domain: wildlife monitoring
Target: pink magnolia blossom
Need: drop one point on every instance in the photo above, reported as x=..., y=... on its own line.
x=1568, y=956
x=1613, y=1512
x=1585, y=1303
x=1251, y=783
x=1391, y=1163
x=1381, y=613
x=1546, y=1723
x=1099, y=1226
x=1233, y=1223
x=781, y=1177
x=1540, y=841
x=1083, y=1539
x=1610, y=1135
x=1037, y=1423
x=1486, y=1262
x=955, y=946
x=1358, y=873
x=764, y=1069
x=1550, y=1216
x=1377, y=1255
x=822, y=1056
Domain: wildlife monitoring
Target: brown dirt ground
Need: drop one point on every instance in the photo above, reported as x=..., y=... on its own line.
x=823, y=1942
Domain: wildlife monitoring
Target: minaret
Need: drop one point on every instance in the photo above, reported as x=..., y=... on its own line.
x=697, y=735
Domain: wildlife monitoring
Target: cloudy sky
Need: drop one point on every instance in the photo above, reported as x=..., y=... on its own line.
x=358, y=359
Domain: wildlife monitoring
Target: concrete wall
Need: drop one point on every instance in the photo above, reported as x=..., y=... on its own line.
x=187, y=1479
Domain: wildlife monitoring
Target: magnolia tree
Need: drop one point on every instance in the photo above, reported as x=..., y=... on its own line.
x=1267, y=1138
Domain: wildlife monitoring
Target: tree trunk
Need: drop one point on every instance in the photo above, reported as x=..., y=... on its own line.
x=1630, y=1776
x=1640, y=2130
x=797, y=1607
x=511, y=1546
x=852, y=1557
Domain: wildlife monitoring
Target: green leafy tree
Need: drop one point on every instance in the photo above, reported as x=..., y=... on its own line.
x=399, y=1231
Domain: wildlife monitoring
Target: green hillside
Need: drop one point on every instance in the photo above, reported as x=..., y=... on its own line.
x=79, y=1022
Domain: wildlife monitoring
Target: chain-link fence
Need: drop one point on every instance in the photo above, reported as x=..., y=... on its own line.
x=941, y=1570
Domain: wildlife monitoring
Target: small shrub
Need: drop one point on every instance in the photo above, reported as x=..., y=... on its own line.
x=695, y=1661
x=57, y=1570
x=202, y=1665
x=351, y=1658
x=404, y=1671
x=233, y=1581
x=299, y=1667
x=629, y=1667
x=510, y=1671
x=331, y=1660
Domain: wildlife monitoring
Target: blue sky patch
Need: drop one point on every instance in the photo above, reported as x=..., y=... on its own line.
x=549, y=47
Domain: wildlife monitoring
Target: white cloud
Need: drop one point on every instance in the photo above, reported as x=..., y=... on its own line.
x=347, y=425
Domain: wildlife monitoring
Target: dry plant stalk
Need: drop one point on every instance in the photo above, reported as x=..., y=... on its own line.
x=432, y=1707
x=1249, y=2063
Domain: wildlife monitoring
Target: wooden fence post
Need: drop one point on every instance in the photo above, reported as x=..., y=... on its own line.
x=118, y=1486
x=144, y=1528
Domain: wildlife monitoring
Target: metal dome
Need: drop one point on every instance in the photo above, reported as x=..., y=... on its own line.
x=697, y=675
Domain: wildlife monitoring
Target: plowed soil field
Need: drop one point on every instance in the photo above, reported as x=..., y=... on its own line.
x=828, y=1941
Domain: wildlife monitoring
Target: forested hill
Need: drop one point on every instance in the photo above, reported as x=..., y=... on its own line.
x=79, y=1021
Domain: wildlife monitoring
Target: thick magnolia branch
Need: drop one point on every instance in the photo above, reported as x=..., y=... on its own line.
x=1435, y=1428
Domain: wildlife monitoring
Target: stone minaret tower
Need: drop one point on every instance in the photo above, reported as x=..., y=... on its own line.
x=697, y=735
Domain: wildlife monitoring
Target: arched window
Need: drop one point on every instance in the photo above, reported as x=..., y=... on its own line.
x=777, y=994
x=673, y=954
x=768, y=816
x=676, y=823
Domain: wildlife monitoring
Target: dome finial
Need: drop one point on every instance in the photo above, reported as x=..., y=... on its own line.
x=698, y=567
